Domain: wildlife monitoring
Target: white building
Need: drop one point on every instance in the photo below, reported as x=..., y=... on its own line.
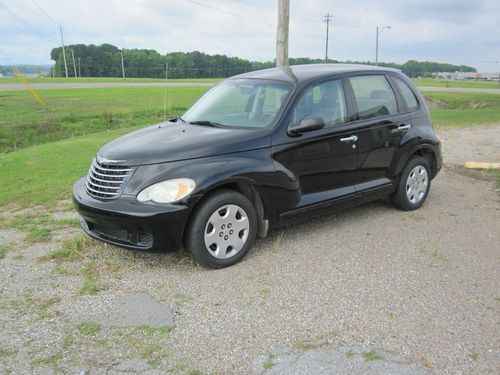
x=465, y=76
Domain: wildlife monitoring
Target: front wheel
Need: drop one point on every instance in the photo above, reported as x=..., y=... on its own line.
x=222, y=230
x=413, y=186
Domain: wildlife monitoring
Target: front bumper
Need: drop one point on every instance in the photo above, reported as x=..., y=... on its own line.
x=127, y=223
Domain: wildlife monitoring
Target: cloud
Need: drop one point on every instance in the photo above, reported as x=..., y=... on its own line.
x=455, y=31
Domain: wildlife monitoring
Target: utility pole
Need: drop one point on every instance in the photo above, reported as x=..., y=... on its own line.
x=74, y=62
x=328, y=19
x=376, y=41
x=282, y=33
x=64, y=53
x=79, y=69
x=123, y=67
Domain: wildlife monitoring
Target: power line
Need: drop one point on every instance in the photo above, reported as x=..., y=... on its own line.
x=45, y=14
x=25, y=24
x=274, y=10
x=251, y=19
x=231, y=13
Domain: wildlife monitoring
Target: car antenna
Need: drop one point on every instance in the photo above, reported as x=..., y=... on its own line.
x=165, y=94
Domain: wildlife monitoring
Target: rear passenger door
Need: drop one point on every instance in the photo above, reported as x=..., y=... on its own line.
x=381, y=126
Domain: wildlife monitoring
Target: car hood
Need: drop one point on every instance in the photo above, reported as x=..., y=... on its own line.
x=170, y=141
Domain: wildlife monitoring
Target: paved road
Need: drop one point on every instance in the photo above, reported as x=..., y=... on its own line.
x=76, y=85
x=458, y=89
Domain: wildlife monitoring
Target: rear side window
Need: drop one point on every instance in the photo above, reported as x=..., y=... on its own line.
x=374, y=96
x=325, y=100
x=407, y=93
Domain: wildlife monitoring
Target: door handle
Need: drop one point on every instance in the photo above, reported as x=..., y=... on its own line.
x=352, y=138
x=401, y=128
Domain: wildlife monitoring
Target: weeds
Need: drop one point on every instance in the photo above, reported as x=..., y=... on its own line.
x=89, y=328
x=69, y=251
x=372, y=355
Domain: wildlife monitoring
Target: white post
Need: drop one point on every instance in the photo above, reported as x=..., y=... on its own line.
x=123, y=66
x=64, y=53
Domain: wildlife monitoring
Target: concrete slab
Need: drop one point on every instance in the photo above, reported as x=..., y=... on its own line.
x=337, y=361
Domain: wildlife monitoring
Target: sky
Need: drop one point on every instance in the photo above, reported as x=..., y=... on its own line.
x=452, y=31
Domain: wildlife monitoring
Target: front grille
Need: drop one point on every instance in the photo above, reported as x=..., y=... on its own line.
x=138, y=238
x=107, y=181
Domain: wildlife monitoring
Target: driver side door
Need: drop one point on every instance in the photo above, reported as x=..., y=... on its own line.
x=323, y=161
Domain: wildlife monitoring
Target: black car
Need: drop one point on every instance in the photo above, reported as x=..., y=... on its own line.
x=260, y=150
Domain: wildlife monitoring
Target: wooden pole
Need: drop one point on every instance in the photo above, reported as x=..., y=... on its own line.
x=282, y=33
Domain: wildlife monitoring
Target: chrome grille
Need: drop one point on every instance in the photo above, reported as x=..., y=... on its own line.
x=106, y=181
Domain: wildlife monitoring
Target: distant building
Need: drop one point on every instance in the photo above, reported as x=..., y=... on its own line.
x=1, y=75
x=466, y=76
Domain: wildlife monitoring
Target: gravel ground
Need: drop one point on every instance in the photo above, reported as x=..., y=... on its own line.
x=362, y=290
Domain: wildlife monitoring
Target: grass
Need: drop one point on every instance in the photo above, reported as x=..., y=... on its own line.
x=451, y=83
x=4, y=249
x=44, y=174
x=75, y=112
x=89, y=328
x=92, y=283
x=269, y=364
x=11, y=80
x=38, y=226
x=151, y=331
x=50, y=360
x=69, y=251
x=5, y=352
x=466, y=109
x=496, y=175
x=372, y=355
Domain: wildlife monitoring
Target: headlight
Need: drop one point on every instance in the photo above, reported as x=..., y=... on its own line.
x=167, y=191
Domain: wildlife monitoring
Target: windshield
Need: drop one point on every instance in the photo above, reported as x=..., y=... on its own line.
x=248, y=103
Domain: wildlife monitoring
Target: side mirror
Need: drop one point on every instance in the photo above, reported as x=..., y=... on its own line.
x=307, y=124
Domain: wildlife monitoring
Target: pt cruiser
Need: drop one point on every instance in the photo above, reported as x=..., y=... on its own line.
x=260, y=150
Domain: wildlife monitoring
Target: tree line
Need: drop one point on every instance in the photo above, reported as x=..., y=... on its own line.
x=105, y=61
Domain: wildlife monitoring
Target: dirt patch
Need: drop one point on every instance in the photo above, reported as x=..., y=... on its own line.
x=434, y=103
x=474, y=105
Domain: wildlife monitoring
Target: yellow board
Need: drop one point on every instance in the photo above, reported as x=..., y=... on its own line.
x=25, y=82
x=477, y=165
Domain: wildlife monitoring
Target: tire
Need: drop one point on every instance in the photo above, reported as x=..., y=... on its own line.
x=222, y=229
x=414, y=185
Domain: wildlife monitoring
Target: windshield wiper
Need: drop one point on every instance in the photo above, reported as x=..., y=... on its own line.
x=206, y=123
x=179, y=118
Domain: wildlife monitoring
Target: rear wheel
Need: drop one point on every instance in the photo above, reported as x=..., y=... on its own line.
x=414, y=185
x=222, y=229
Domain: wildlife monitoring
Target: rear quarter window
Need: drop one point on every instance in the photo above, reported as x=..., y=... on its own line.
x=374, y=96
x=408, y=95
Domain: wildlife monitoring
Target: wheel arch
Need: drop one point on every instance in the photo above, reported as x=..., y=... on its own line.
x=424, y=150
x=247, y=188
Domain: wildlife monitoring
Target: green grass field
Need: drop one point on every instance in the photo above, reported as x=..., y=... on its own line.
x=460, y=84
x=44, y=174
x=106, y=80
x=466, y=109
x=74, y=112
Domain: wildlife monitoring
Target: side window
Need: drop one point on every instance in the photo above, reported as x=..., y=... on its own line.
x=325, y=100
x=374, y=96
x=407, y=93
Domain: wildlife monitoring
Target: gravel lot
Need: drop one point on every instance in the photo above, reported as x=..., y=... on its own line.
x=366, y=290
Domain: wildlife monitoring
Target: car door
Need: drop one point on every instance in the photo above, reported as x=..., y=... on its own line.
x=322, y=161
x=381, y=127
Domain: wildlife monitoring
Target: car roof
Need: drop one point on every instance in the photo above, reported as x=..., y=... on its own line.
x=302, y=73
